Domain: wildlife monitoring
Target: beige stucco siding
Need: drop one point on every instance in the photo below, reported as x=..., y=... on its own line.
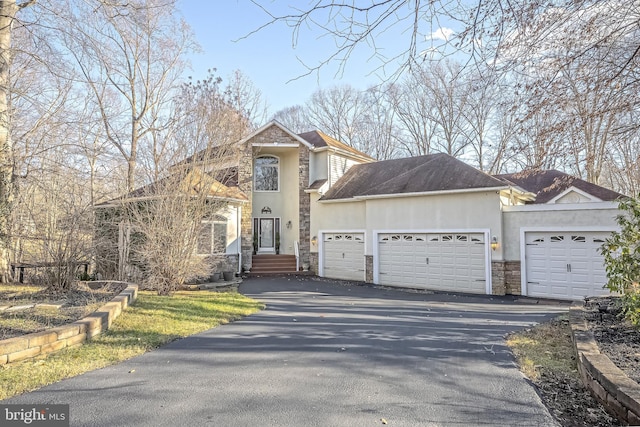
x=232, y=214
x=459, y=211
x=283, y=203
x=477, y=210
x=567, y=218
x=335, y=216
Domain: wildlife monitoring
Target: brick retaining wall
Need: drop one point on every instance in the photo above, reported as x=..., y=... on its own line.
x=619, y=394
x=55, y=339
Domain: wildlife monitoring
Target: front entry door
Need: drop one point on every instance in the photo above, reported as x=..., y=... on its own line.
x=267, y=235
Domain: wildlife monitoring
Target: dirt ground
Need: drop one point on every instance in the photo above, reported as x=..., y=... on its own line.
x=81, y=300
x=618, y=339
x=563, y=393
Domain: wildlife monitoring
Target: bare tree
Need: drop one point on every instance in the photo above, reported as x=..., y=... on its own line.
x=130, y=57
x=337, y=111
x=8, y=11
x=294, y=118
x=378, y=128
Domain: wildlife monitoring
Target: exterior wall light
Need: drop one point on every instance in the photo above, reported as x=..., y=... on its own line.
x=494, y=243
x=314, y=240
x=289, y=225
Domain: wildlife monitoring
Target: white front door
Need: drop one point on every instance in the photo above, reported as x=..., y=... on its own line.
x=343, y=256
x=266, y=235
x=565, y=265
x=454, y=262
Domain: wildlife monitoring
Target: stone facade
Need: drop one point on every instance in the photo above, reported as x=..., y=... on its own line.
x=304, y=206
x=313, y=262
x=498, y=278
x=512, y=278
x=368, y=266
x=273, y=135
x=505, y=278
x=245, y=183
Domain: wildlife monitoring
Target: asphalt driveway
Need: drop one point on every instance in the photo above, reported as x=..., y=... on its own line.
x=325, y=354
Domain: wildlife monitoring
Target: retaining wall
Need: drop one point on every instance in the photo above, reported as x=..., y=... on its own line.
x=55, y=339
x=619, y=394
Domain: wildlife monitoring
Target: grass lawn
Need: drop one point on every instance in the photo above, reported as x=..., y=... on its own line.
x=147, y=324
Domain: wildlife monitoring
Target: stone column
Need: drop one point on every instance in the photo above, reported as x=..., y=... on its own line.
x=245, y=183
x=304, y=205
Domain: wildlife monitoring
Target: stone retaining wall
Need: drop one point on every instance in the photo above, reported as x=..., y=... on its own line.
x=55, y=339
x=609, y=384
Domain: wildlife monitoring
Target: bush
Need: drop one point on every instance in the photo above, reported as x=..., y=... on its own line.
x=622, y=258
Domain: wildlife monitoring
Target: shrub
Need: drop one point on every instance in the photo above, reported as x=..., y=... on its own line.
x=622, y=258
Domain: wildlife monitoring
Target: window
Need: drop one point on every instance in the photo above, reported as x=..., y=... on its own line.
x=266, y=174
x=212, y=238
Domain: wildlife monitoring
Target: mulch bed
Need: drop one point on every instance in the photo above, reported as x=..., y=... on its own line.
x=617, y=338
x=566, y=397
x=80, y=301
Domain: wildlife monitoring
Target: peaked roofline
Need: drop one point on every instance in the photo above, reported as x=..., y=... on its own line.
x=279, y=126
x=335, y=145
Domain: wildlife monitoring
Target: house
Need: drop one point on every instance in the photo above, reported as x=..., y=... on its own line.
x=430, y=222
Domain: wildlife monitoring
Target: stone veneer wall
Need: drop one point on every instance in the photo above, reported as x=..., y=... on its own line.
x=497, y=278
x=245, y=183
x=55, y=339
x=513, y=285
x=368, y=268
x=313, y=262
x=304, y=207
x=619, y=394
x=505, y=278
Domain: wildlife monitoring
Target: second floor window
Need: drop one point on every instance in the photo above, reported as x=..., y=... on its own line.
x=266, y=173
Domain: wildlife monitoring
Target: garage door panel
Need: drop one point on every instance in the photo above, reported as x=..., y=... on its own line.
x=440, y=261
x=565, y=265
x=343, y=256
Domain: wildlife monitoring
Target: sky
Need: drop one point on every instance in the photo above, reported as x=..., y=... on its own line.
x=268, y=57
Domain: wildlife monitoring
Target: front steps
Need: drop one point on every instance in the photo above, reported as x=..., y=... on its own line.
x=273, y=264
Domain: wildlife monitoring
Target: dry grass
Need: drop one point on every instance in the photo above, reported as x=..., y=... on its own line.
x=546, y=346
x=78, y=302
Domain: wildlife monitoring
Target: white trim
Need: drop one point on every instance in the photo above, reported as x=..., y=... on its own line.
x=346, y=153
x=591, y=197
x=424, y=193
x=562, y=207
x=523, y=244
x=275, y=145
x=321, y=234
x=281, y=127
x=270, y=166
x=487, y=249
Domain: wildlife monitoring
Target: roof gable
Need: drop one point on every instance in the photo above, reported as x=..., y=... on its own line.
x=194, y=182
x=550, y=186
x=423, y=174
x=320, y=140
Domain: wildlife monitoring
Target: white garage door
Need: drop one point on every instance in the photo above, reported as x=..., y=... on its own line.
x=565, y=265
x=454, y=262
x=343, y=256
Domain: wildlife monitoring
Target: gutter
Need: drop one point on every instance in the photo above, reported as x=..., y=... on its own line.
x=415, y=194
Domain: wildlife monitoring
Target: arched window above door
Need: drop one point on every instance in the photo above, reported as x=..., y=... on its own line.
x=266, y=173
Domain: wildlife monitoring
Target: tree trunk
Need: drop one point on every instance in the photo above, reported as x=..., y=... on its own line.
x=8, y=10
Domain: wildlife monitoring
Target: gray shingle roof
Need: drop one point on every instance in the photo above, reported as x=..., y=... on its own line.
x=547, y=184
x=435, y=172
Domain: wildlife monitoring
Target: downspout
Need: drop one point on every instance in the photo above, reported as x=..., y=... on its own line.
x=239, y=239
